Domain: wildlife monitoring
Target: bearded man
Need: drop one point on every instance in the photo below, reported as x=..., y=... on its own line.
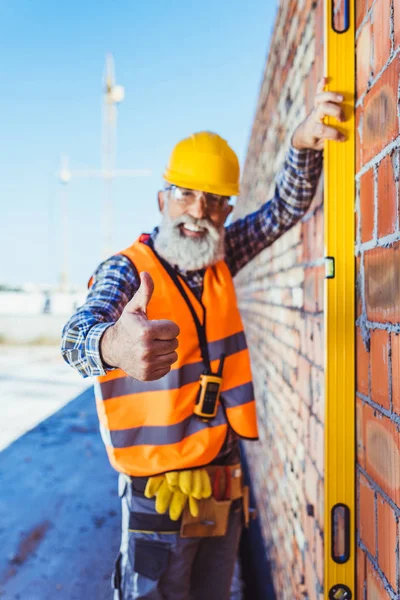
x=161, y=331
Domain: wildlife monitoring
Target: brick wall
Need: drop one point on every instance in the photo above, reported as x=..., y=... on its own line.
x=281, y=298
x=378, y=306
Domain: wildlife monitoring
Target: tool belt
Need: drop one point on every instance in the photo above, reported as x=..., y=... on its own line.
x=228, y=492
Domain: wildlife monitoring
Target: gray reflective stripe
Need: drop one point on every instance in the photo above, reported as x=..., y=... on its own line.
x=163, y=435
x=242, y=394
x=172, y=381
x=176, y=378
x=228, y=346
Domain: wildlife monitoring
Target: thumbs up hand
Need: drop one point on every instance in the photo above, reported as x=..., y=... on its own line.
x=144, y=349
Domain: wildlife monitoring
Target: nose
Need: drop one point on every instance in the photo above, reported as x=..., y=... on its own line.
x=198, y=210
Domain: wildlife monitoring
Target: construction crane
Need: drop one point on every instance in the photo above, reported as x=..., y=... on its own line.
x=113, y=95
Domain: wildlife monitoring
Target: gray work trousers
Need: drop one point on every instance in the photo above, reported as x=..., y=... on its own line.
x=164, y=566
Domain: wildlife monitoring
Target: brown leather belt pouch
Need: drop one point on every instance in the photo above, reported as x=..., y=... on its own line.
x=212, y=520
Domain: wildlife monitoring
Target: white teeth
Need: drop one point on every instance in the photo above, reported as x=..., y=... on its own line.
x=192, y=227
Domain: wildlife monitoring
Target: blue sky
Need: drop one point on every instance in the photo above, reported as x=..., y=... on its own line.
x=185, y=66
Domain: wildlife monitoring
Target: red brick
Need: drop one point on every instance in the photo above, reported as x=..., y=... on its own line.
x=363, y=57
x=360, y=433
x=395, y=341
x=320, y=506
x=382, y=448
x=359, y=290
x=303, y=380
x=396, y=8
x=366, y=515
x=361, y=11
x=381, y=33
x=320, y=287
x=359, y=144
x=319, y=455
x=375, y=587
x=362, y=365
x=308, y=348
x=311, y=580
x=382, y=284
x=387, y=541
x=367, y=186
x=361, y=574
x=380, y=367
x=311, y=482
x=319, y=36
x=387, y=196
x=319, y=556
x=357, y=222
x=318, y=388
x=308, y=237
x=302, y=327
x=310, y=87
x=380, y=122
x=319, y=341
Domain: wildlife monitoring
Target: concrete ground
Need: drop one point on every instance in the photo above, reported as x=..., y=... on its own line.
x=59, y=509
x=34, y=383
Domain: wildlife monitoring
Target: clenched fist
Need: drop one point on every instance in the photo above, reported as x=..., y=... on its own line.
x=144, y=349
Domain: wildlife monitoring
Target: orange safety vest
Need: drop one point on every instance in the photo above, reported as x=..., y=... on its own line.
x=149, y=427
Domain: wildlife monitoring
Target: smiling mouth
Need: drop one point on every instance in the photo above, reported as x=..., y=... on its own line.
x=192, y=230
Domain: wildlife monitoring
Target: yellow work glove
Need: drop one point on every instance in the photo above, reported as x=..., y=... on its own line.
x=152, y=485
x=173, y=490
x=191, y=484
x=168, y=494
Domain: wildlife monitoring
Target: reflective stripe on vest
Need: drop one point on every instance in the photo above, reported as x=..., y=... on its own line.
x=149, y=427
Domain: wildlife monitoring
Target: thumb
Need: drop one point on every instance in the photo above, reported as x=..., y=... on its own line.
x=143, y=296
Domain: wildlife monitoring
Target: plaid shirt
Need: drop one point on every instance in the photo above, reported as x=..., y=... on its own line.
x=116, y=280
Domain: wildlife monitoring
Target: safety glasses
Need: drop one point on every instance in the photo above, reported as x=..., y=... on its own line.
x=186, y=197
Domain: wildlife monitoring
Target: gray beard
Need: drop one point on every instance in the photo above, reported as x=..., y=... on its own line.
x=189, y=254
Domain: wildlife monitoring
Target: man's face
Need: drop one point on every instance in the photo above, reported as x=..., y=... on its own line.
x=191, y=234
x=197, y=204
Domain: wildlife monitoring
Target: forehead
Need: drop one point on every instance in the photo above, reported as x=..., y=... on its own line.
x=178, y=190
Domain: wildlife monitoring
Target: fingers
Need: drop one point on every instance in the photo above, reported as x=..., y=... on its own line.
x=329, y=109
x=321, y=84
x=322, y=96
x=325, y=132
x=328, y=97
x=167, y=360
x=164, y=330
x=158, y=373
x=162, y=348
x=143, y=296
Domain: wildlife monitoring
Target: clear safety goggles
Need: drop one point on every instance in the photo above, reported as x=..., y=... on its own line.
x=186, y=197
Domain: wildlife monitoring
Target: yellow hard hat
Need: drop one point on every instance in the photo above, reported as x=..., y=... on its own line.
x=204, y=161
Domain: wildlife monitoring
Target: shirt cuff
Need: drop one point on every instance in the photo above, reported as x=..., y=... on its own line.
x=92, y=350
x=306, y=160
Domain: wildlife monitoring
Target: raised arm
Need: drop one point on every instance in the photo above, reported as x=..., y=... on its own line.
x=295, y=188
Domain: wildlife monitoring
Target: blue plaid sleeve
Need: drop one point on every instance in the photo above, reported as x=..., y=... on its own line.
x=295, y=188
x=114, y=283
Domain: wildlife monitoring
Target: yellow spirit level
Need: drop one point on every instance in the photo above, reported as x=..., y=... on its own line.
x=339, y=237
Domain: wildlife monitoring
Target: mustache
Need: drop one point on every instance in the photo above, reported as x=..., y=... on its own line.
x=188, y=219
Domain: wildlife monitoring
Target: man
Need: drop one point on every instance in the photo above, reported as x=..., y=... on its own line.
x=162, y=331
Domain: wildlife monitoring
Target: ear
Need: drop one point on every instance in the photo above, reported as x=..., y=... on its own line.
x=228, y=211
x=161, y=201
